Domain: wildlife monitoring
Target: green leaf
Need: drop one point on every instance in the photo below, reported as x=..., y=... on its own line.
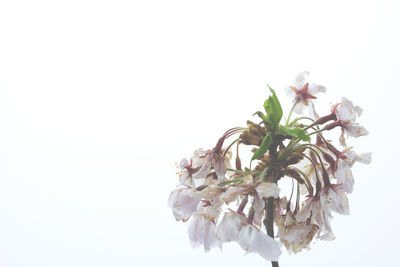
x=273, y=109
x=263, y=147
x=295, y=132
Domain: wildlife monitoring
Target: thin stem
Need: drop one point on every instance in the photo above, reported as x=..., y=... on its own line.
x=291, y=111
x=227, y=149
x=301, y=118
x=237, y=171
x=316, y=131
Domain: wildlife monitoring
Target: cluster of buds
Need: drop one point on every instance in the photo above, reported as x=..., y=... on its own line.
x=294, y=150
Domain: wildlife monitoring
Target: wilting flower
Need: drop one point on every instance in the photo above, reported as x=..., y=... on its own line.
x=297, y=236
x=344, y=175
x=334, y=197
x=346, y=115
x=303, y=92
x=315, y=213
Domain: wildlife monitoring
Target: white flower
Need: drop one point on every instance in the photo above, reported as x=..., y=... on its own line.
x=184, y=202
x=344, y=174
x=229, y=228
x=347, y=114
x=252, y=239
x=317, y=214
x=303, y=92
x=215, y=159
x=336, y=199
x=202, y=231
x=346, y=111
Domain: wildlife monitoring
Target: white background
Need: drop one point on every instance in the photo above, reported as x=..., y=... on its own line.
x=99, y=99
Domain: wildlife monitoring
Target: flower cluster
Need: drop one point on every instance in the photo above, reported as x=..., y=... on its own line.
x=295, y=151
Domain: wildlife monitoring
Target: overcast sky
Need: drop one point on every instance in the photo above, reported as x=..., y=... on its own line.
x=99, y=99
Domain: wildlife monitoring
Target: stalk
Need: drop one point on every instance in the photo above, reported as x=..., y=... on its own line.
x=269, y=203
x=269, y=222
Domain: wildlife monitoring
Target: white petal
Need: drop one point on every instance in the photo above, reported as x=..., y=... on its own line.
x=344, y=176
x=314, y=89
x=364, y=158
x=232, y=193
x=301, y=79
x=229, y=228
x=258, y=206
x=336, y=199
x=346, y=111
x=183, y=203
x=290, y=92
x=202, y=232
x=355, y=130
x=220, y=168
x=204, y=170
x=267, y=190
x=253, y=240
x=299, y=108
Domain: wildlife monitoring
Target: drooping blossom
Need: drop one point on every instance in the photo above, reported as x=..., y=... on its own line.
x=253, y=240
x=184, y=202
x=315, y=213
x=230, y=226
x=346, y=115
x=296, y=236
x=344, y=175
x=334, y=197
x=202, y=231
x=303, y=92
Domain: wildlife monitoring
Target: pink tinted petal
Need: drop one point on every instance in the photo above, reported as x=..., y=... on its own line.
x=204, y=170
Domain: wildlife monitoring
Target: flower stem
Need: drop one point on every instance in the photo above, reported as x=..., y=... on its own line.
x=291, y=111
x=269, y=203
x=269, y=222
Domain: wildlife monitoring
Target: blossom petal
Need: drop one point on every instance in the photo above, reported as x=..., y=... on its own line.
x=253, y=240
x=183, y=203
x=202, y=231
x=301, y=79
x=229, y=228
x=314, y=89
x=266, y=190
